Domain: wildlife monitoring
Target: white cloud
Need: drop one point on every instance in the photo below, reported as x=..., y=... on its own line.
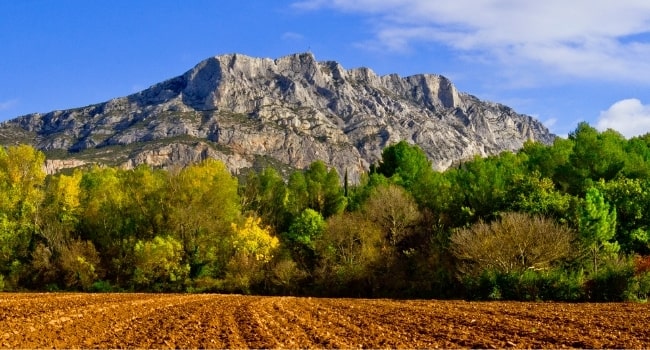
x=5, y=105
x=291, y=36
x=581, y=38
x=630, y=117
x=549, y=123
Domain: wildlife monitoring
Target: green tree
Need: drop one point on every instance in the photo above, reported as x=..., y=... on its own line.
x=486, y=184
x=159, y=263
x=595, y=156
x=597, y=227
x=551, y=162
x=302, y=233
x=535, y=195
x=266, y=194
x=631, y=200
x=105, y=220
x=404, y=164
x=144, y=189
x=316, y=188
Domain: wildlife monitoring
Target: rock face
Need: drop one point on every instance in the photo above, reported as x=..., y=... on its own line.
x=253, y=112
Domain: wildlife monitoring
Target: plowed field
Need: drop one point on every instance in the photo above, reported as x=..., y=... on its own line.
x=234, y=321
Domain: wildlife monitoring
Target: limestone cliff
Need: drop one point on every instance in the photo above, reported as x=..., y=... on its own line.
x=251, y=112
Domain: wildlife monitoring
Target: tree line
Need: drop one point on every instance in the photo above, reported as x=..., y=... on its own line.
x=569, y=221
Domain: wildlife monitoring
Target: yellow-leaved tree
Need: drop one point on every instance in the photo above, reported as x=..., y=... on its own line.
x=59, y=254
x=253, y=246
x=202, y=202
x=159, y=265
x=21, y=194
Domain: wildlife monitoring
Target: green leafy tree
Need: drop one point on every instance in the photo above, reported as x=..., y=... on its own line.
x=535, y=195
x=404, y=164
x=631, y=200
x=159, y=263
x=637, y=163
x=486, y=184
x=553, y=162
x=302, y=233
x=595, y=156
x=266, y=194
x=144, y=189
x=316, y=188
x=597, y=228
x=105, y=220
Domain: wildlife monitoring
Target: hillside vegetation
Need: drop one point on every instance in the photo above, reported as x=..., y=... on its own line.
x=568, y=221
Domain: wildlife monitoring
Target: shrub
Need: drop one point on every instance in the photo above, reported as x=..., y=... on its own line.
x=482, y=287
x=527, y=285
x=639, y=285
x=286, y=276
x=613, y=283
x=101, y=287
x=515, y=243
x=205, y=284
x=79, y=261
x=562, y=285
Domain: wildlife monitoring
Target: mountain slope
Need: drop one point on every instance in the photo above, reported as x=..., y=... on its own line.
x=251, y=112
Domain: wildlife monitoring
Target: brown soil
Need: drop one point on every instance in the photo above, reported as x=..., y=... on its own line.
x=234, y=321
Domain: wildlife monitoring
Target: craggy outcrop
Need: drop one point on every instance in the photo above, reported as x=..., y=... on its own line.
x=291, y=111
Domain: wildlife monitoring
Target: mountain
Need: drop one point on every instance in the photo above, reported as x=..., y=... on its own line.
x=253, y=112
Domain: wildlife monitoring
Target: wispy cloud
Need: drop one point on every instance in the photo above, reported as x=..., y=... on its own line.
x=579, y=38
x=549, y=123
x=5, y=105
x=292, y=36
x=630, y=117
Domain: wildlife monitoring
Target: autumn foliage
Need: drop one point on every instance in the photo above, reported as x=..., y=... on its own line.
x=547, y=222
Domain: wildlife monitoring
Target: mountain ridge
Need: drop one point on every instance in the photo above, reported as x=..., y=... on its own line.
x=288, y=112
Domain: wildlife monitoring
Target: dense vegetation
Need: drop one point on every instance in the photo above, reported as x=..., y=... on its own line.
x=570, y=221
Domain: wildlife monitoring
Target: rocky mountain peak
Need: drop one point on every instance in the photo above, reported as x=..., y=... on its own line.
x=252, y=112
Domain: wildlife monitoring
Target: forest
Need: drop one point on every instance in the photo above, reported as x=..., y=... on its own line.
x=569, y=221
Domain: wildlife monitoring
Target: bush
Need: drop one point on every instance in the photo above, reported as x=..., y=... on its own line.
x=79, y=261
x=206, y=284
x=562, y=285
x=613, y=283
x=526, y=286
x=286, y=277
x=101, y=287
x=516, y=242
x=639, y=285
x=483, y=287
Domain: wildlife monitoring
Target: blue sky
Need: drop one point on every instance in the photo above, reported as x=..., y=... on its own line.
x=560, y=61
